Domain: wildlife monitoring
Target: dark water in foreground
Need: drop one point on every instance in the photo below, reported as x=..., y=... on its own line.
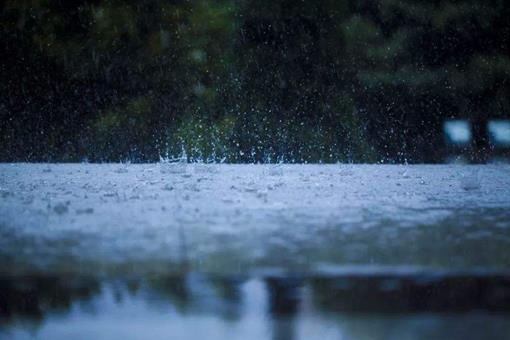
x=355, y=305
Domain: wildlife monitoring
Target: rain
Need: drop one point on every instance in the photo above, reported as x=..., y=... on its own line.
x=255, y=169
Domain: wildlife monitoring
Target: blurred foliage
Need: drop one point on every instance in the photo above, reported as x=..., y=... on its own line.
x=247, y=81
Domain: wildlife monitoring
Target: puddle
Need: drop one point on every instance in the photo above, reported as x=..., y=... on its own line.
x=357, y=304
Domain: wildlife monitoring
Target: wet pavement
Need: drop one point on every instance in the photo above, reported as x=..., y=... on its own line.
x=176, y=250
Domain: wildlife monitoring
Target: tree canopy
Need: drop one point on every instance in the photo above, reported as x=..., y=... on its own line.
x=247, y=81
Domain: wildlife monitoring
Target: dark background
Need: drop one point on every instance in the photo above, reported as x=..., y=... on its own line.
x=249, y=81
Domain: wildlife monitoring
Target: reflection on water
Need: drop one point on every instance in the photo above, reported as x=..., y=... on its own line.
x=350, y=305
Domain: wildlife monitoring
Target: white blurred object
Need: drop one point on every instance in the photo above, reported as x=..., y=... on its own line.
x=499, y=132
x=457, y=131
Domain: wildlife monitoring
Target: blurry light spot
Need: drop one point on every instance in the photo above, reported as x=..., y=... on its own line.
x=499, y=132
x=457, y=131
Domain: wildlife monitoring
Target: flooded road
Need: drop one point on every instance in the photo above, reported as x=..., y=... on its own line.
x=184, y=251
